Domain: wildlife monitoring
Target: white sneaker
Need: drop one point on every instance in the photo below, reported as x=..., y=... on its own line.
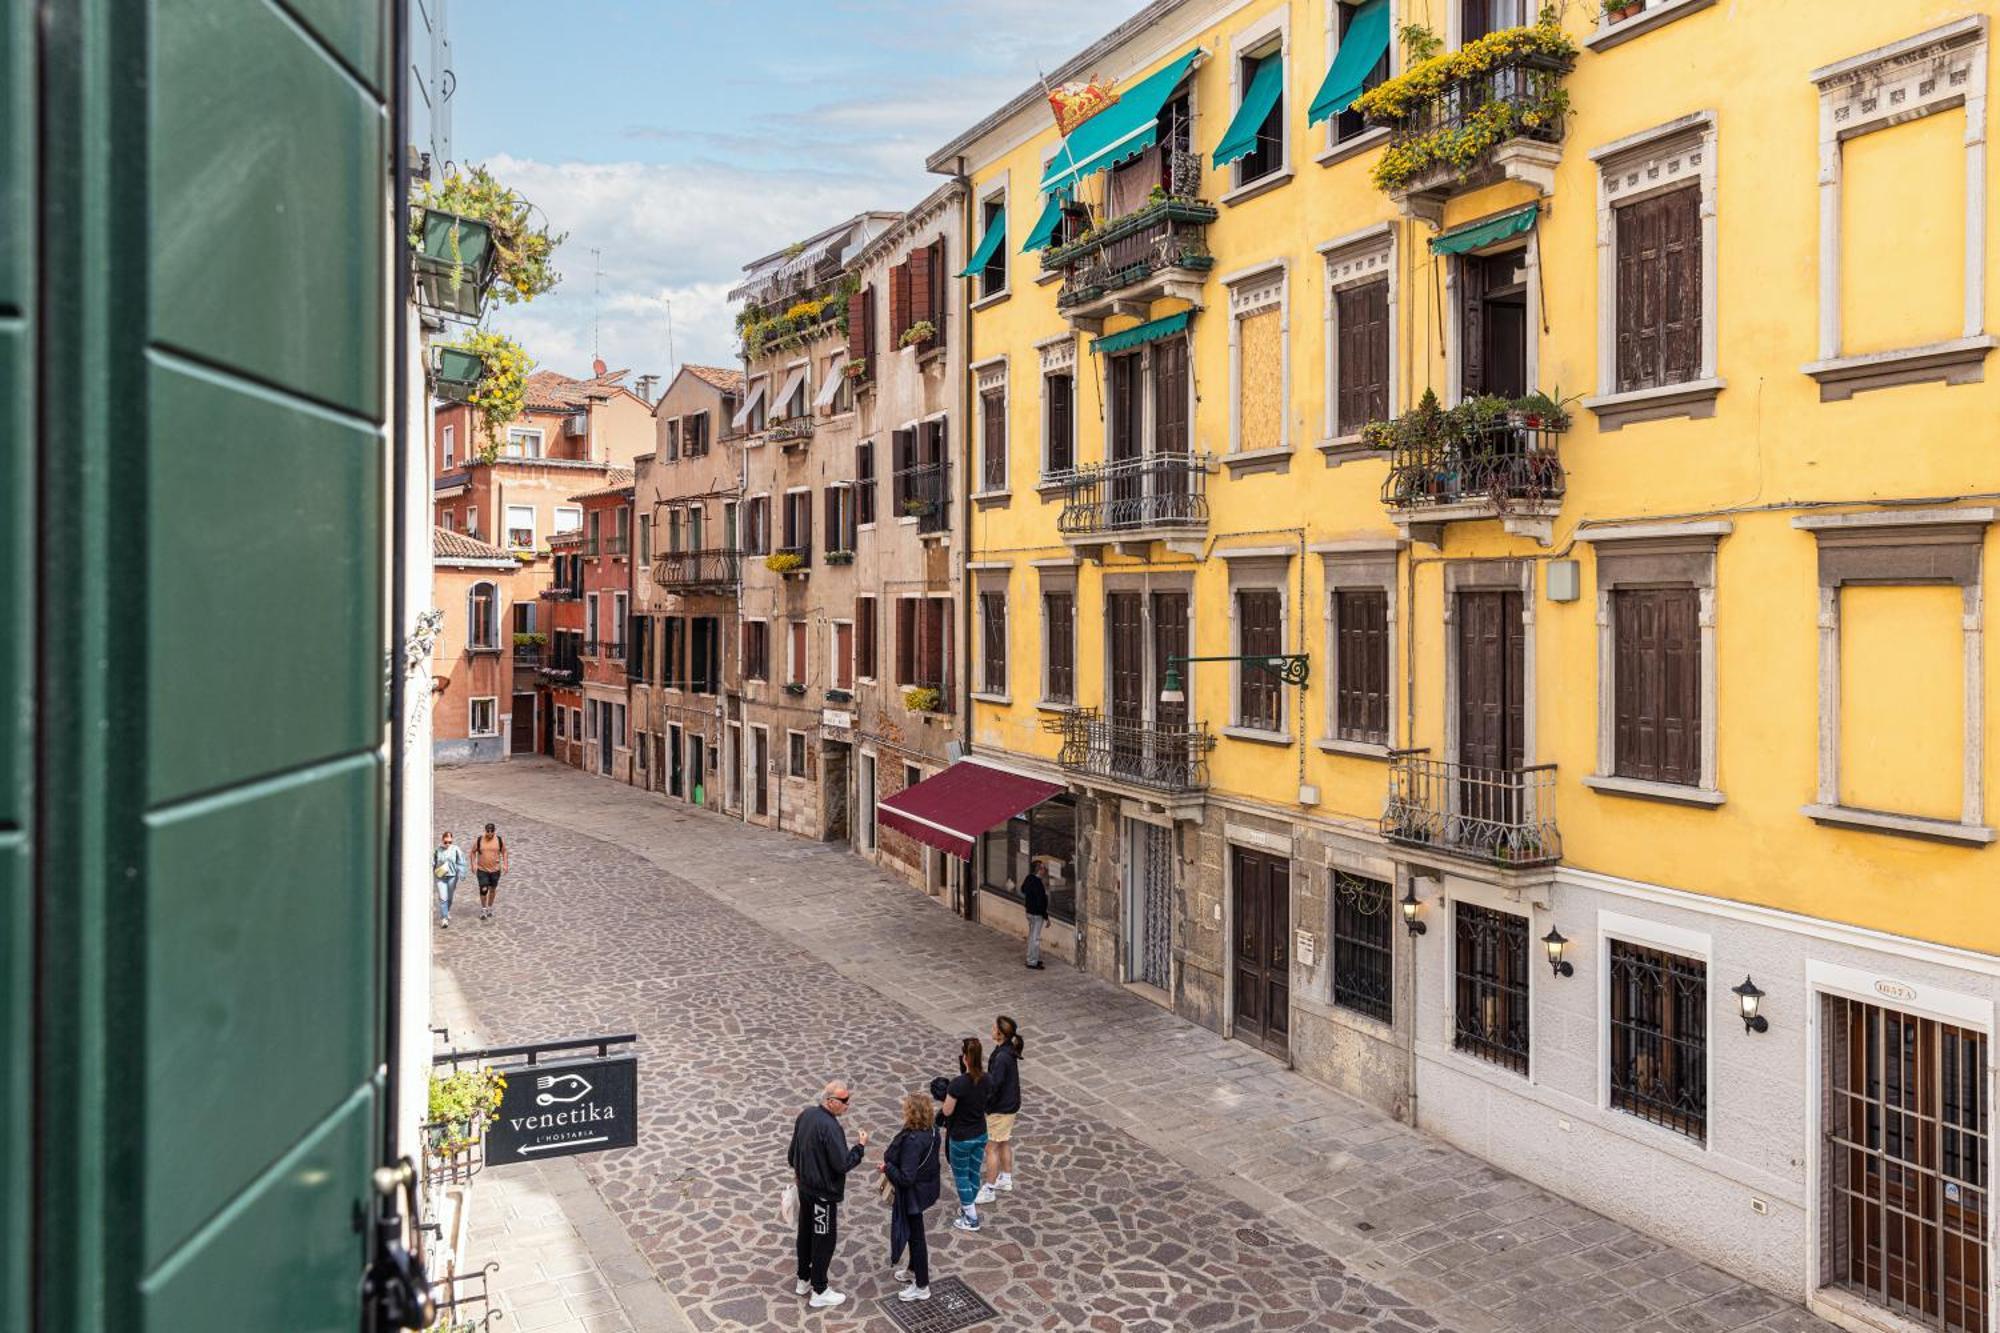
x=1005, y=1184
x=802, y=1288
x=902, y=1275
x=963, y=1223
x=913, y=1292
x=826, y=1300
x=985, y=1194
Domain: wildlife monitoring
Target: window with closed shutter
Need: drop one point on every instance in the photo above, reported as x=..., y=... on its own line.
x=1059, y=398
x=899, y=301
x=1659, y=290
x=843, y=656
x=1361, y=656
x=1059, y=617
x=903, y=450
x=934, y=648
x=864, y=637
x=1656, y=680
x=906, y=641
x=864, y=483
x=993, y=441
x=993, y=641
x=1361, y=320
x=1260, y=632
x=859, y=344
x=921, y=307
x=756, y=650
x=795, y=664
x=672, y=668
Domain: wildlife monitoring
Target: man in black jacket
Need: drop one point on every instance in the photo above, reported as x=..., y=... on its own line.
x=1035, y=898
x=820, y=1160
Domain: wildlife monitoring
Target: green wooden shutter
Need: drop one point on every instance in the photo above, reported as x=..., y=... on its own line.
x=208, y=685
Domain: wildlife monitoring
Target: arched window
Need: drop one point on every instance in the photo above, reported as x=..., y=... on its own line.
x=483, y=610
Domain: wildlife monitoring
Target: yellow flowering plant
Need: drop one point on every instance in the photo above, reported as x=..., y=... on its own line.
x=502, y=390
x=521, y=250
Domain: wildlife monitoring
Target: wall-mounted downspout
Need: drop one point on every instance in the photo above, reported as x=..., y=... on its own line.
x=963, y=443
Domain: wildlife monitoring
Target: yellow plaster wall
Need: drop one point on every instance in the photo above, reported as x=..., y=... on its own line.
x=1903, y=248
x=1902, y=704
x=1770, y=448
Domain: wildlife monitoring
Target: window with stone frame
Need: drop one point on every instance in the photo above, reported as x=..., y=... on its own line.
x=1656, y=688
x=1659, y=298
x=1361, y=665
x=993, y=439
x=795, y=746
x=1059, y=421
x=1364, y=917
x=1361, y=359
x=1260, y=631
x=1659, y=1038
x=795, y=658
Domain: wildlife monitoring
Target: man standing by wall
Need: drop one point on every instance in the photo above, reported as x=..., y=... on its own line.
x=1035, y=899
x=820, y=1160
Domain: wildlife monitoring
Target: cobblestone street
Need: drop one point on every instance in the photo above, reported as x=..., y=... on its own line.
x=1168, y=1179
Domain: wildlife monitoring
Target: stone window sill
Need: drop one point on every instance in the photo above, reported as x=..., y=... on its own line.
x=1959, y=361
x=988, y=302
x=1359, y=144
x=1695, y=400
x=1616, y=34
x=1346, y=449
x=1359, y=749
x=1249, y=462
x=1054, y=706
x=1004, y=700
x=1653, y=791
x=1908, y=826
x=1243, y=194
x=1052, y=488
x=1259, y=735
x=1047, y=276
x=992, y=499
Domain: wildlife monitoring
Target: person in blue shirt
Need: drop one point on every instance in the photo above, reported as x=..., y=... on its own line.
x=447, y=869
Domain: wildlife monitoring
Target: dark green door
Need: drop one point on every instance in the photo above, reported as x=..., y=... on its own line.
x=195, y=641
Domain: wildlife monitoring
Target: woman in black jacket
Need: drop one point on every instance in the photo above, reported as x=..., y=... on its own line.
x=912, y=1165
x=1003, y=1104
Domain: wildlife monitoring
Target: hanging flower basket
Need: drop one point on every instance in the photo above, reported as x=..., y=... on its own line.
x=922, y=700
x=784, y=562
x=794, y=687
x=455, y=373
x=471, y=236
x=454, y=263
x=840, y=557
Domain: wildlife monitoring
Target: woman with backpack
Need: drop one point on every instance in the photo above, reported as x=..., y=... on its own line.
x=912, y=1168
x=1003, y=1104
x=965, y=1129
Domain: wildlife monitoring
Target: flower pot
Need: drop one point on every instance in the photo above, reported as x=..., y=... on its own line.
x=455, y=373
x=454, y=263
x=1624, y=12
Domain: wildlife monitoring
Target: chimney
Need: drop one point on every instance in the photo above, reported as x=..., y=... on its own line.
x=598, y=367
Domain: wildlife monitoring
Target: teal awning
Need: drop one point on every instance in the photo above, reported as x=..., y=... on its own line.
x=1125, y=129
x=1362, y=47
x=1258, y=99
x=989, y=246
x=1140, y=334
x=1044, y=230
x=1479, y=235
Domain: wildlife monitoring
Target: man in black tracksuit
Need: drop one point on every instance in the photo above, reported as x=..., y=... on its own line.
x=820, y=1160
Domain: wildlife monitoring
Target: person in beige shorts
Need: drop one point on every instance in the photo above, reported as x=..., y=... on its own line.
x=1003, y=1078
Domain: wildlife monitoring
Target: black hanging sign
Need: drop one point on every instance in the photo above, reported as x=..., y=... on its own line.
x=560, y=1109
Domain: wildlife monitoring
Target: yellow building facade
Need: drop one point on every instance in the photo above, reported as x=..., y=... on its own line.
x=1602, y=424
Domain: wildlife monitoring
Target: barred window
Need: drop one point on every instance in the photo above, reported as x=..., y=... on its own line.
x=1490, y=1018
x=1659, y=1037
x=1362, y=974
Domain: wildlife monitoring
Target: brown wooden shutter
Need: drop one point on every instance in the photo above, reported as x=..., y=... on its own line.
x=1656, y=693
x=1059, y=613
x=906, y=641
x=1126, y=613
x=1260, y=632
x=1680, y=692
x=864, y=637
x=946, y=676
x=1361, y=707
x=920, y=286
x=1680, y=331
x=1362, y=394
x=857, y=326
x=1170, y=399
x=993, y=421
x=1170, y=639
x=1659, y=290
x=1060, y=391
x=899, y=301
x=993, y=641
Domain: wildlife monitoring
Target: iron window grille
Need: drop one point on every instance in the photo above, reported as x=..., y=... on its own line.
x=1363, y=973
x=1659, y=1038
x=1490, y=984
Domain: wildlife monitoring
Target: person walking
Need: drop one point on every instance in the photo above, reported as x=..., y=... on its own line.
x=1003, y=1104
x=447, y=869
x=489, y=862
x=965, y=1130
x=820, y=1160
x=913, y=1165
x=1035, y=898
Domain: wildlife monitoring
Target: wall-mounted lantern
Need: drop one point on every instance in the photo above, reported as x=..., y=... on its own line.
x=1555, y=944
x=1748, y=999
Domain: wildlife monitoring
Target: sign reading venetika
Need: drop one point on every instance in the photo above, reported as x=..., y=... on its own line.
x=556, y=1110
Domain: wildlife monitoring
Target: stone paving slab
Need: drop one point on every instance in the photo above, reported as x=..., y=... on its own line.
x=1171, y=1179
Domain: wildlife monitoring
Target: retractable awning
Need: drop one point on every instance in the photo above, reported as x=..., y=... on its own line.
x=950, y=811
x=1362, y=47
x=791, y=386
x=1140, y=334
x=1044, y=230
x=1125, y=129
x=836, y=371
x=1479, y=235
x=989, y=245
x=742, y=417
x=1255, y=109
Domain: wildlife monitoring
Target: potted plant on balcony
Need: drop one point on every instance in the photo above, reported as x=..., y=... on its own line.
x=1541, y=411
x=922, y=699
x=795, y=687
x=917, y=507
x=1617, y=11
x=471, y=235
x=460, y=1104
x=840, y=557
x=920, y=333
x=784, y=562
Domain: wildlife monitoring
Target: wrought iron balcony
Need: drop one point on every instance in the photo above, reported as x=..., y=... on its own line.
x=1172, y=759
x=613, y=652
x=690, y=571
x=561, y=669
x=924, y=493
x=589, y=648
x=1158, y=250
x=1154, y=497
x=616, y=545
x=1502, y=816
x=791, y=430
x=557, y=592
x=1503, y=468
x=1520, y=97
x=527, y=656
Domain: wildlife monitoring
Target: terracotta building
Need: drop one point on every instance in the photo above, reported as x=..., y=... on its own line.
x=798, y=525
x=471, y=667
x=684, y=654
x=559, y=674
x=606, y=591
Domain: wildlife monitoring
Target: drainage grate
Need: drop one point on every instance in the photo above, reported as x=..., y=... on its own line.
x=1252, y=1236
x=952, y=1305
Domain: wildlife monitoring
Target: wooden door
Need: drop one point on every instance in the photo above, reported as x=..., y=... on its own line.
x=1126, y=615
x=1491, y=717
x=1263, y=923
x=522, y=728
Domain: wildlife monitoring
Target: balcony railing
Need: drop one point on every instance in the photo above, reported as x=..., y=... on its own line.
x=1504, y=816
x=790, y=430
x=1501, y=462
x=590, y=648
x=557, y=592
x=924, y=493
x=527, y=656
x=1164, y=241
x=1170, y=759
x=1519, y=99
x=710, y=567
x=617, y=545
x=1155, y=494
x=613, y=652
x=561, y=669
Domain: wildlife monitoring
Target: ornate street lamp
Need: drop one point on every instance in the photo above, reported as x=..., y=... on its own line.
x=1555, y=943
x=1291, y=668
x=1748, y=998
x=1411, y=907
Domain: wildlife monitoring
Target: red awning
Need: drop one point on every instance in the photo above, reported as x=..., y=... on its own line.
x=950, y=811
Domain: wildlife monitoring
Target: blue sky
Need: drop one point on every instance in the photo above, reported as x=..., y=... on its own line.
x=683, y=139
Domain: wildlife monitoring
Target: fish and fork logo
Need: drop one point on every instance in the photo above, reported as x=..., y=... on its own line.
x=560, y=1089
